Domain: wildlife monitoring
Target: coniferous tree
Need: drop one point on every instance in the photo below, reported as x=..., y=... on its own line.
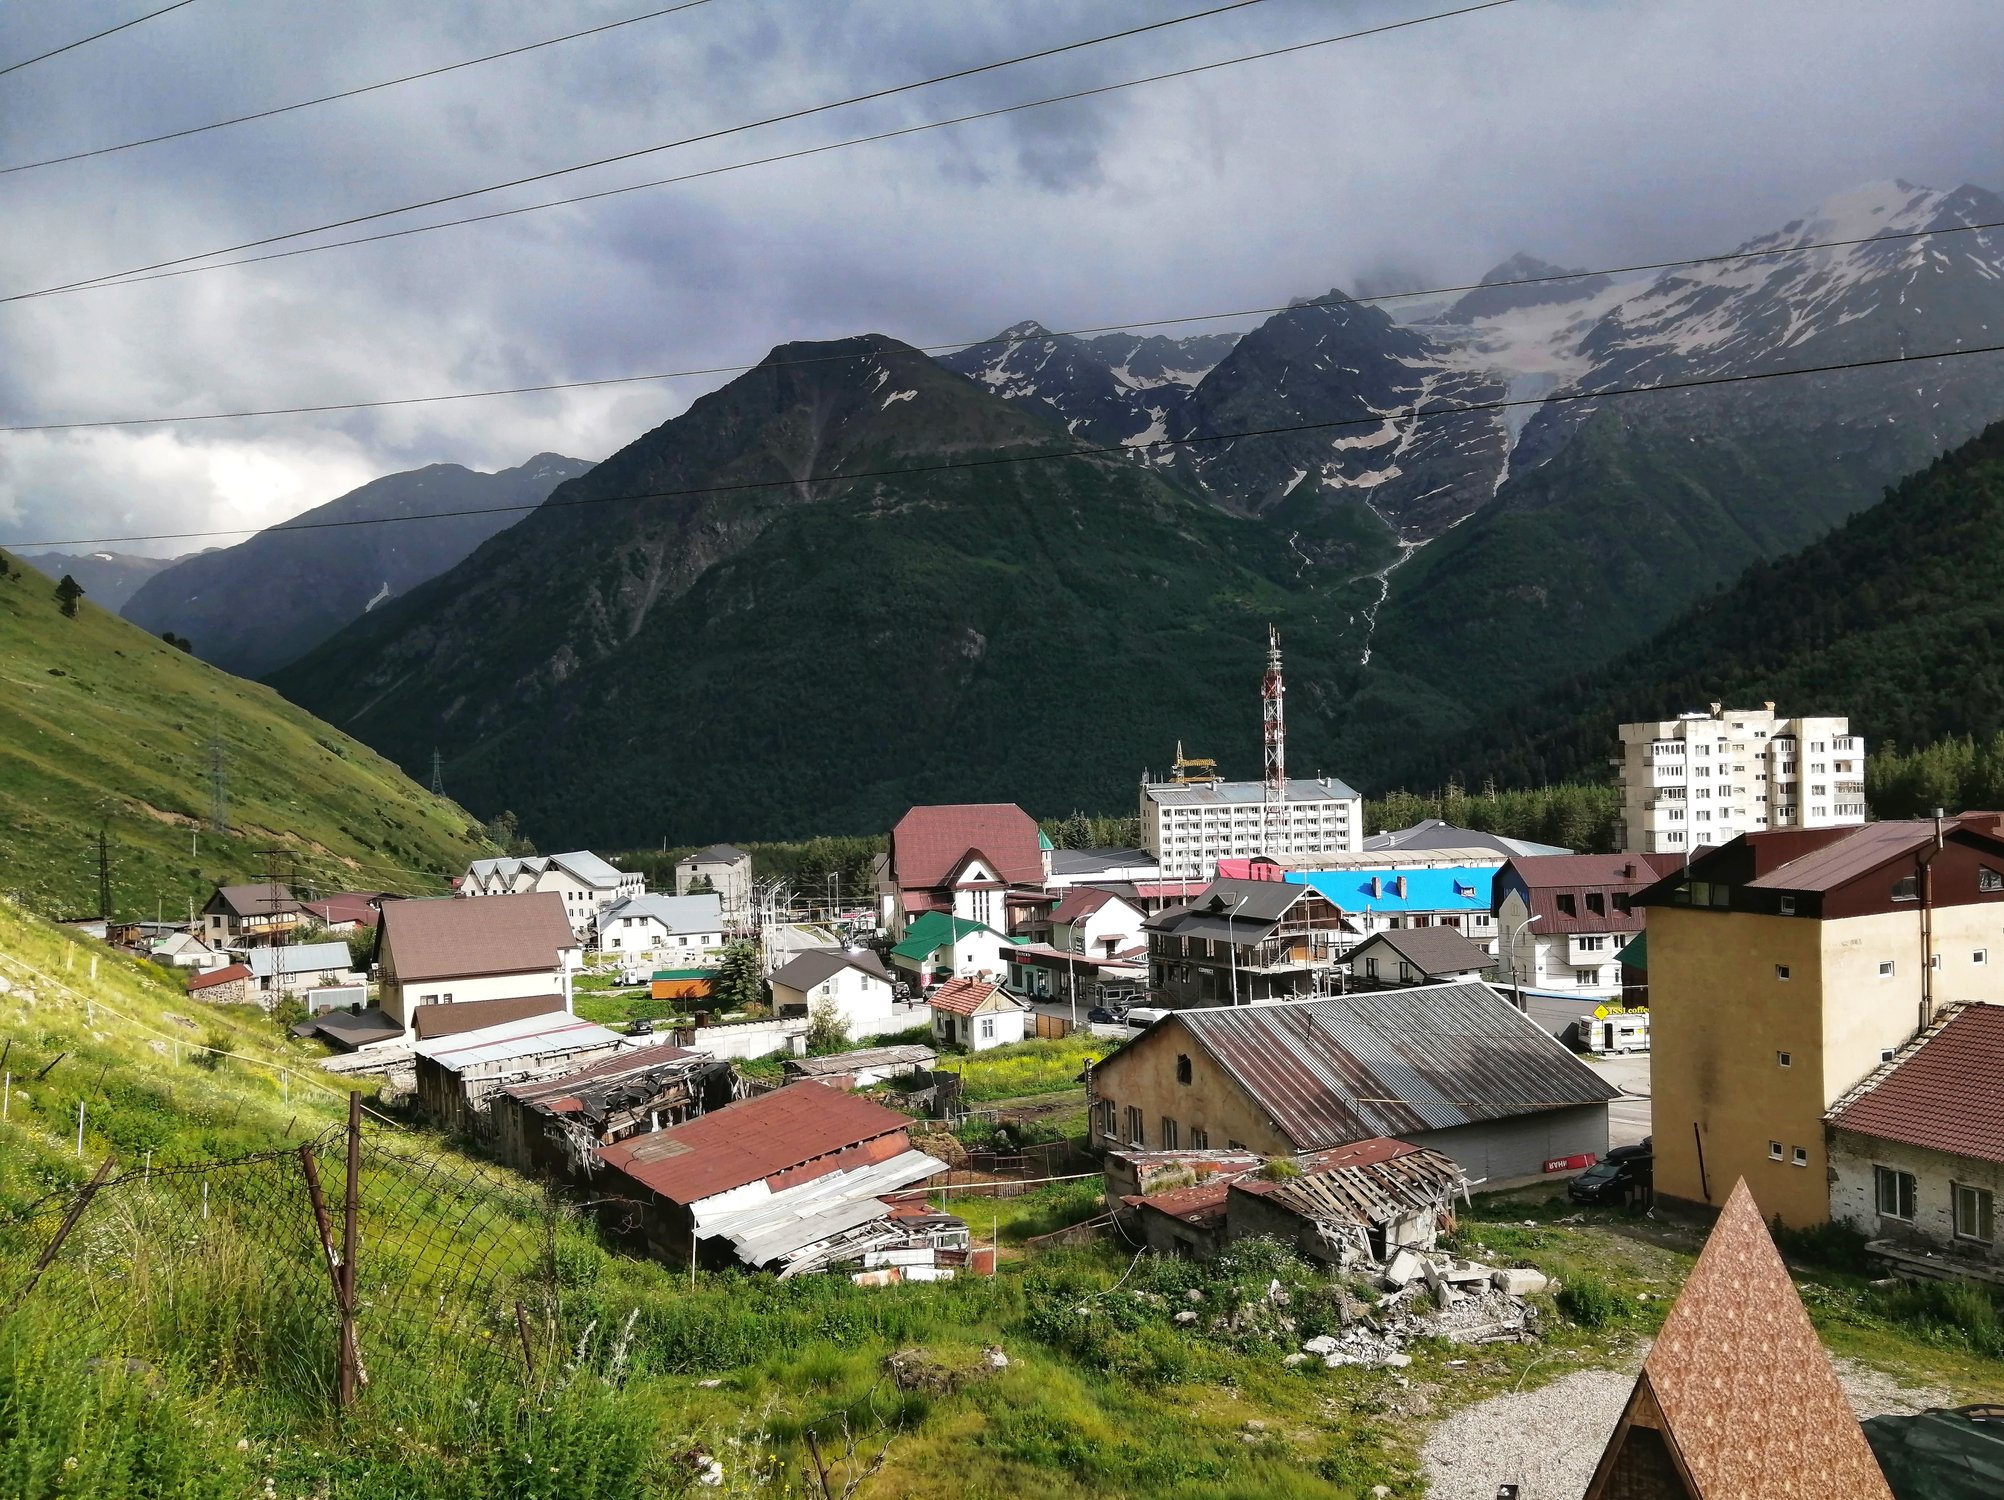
x=68, y=591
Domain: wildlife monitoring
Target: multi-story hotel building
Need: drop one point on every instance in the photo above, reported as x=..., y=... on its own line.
x=1707, y=778
x=1190, y=825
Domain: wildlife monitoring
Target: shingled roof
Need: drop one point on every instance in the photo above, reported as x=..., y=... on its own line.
x=1945, y=1093
x=449, y=937
x=1737, y=1400
x=928, y=842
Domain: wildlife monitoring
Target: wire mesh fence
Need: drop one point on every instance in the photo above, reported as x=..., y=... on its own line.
x=361, y=1237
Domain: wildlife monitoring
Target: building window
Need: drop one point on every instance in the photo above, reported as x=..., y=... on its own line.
x=1980, y=956
x=1168, y=1134
x=1109, y=1119
x=1906, y=888
x=1784, y=1060
x=1975, y=1213
x=1788, y=906
x=1774, y=1149
x=1802, y=1156
x=1586, y=976
x=1781, y=971
x=1200, y=1138
x=1893, y=1193
x=1885, y=968
x=987, y=1028
x=1134, y=1135
x=1182, y=1067
x=1988, y=879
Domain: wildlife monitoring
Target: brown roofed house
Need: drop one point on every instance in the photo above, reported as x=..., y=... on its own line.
x=1737, y=1400
x=493, y=956
x=1415, y=955
x=976, y=1014
x=238, y=916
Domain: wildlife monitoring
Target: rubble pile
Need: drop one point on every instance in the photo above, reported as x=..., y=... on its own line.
x=1431, y=1295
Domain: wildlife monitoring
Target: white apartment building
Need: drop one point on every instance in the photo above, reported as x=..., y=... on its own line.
x=1190, y=826
x=587, y=883
x=1706, y=778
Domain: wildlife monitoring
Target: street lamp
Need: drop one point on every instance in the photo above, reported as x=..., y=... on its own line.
x=1232, y=945
x=1510, y=947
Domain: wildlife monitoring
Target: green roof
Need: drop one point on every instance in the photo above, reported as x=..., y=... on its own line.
x=1636, y=954
x=1044, y=840
x=935, y=929
x=660, y=974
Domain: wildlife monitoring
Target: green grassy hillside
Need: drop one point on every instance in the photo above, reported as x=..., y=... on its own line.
x=108, y=727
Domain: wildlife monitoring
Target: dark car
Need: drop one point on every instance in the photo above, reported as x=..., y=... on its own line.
x=1615, y=1177
x=1102, y=1015
x=640, y=1028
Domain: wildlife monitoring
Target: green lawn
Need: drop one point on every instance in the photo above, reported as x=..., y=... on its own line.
x=108, y=728
x=1025, y=1069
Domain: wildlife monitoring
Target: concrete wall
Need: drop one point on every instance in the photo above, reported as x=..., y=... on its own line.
x=752, y=1038
x=1854, y=1201
x=1143, y=1073
x=1720, y=1018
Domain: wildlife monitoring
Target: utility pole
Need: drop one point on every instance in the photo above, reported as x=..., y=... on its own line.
x=103, y=873
x=437, y=774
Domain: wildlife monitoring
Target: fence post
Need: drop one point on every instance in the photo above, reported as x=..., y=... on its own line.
x=76, y=1212
x=351, y=1358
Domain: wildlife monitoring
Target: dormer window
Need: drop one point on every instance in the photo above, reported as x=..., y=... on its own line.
x=1567, y=905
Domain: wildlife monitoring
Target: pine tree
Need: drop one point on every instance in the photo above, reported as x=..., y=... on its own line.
x=738, y=985
x=68, y=591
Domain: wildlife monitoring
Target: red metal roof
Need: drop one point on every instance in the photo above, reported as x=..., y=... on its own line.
x=752, y=1140
x=966, y=997
x=1836, y=861
x=1081, y=901
x=219, y=976
x=1545, y=878
x=928, y=842
x=1946, y=1095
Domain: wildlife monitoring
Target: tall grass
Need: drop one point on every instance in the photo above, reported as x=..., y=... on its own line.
x=1024, y=1069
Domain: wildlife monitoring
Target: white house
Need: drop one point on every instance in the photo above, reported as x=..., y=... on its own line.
x=587, y=884
x=662, y=926
x=853, y=980
x=1563, y=919
x=938, y=947
x=294, y=967
x=1099, y=923
x=976, y=1014
x=489, y=961
x=184, y=950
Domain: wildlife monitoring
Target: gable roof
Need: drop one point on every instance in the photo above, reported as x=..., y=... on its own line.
x=751, y=1140
x=967, y=997
x=1738, y=1390
x=701, y=913
x=447, y=937
x=1436, y=833
x=716, y=854
x=1081, y=901
x=224, y=975
x=252, y=900
x=581, y=863
x=1431, y=950
x=935, y=929
x=301, y=958
x=928, y=842
x=536, y=1035
x=345, y=906
x=431, y=1022
x=1386, y=1063
x=1944, y=1092
x=817, y=964
x=1548, y=883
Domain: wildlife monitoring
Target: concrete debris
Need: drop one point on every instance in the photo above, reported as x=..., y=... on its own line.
x=1430, y=1296
x=994, y=1358
x=1193, y=1295
x=1401, y=1271
x=1521, y=1281
x=708, y=1385
x=1186, y=1317
x=1295, y=1359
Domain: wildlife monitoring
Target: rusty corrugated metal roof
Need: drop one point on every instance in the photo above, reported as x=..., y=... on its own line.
x=1391, y=1063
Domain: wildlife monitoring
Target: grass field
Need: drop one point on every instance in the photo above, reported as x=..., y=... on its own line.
x=108, y=728
x=218, y=1386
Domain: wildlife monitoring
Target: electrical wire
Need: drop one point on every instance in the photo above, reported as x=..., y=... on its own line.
x=1003, y=342
x=162, y=270
x=96, y=36
x=367, y=88
x=1415, y=413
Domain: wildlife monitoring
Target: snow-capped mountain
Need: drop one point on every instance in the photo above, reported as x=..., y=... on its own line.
x=1115, y=388
x=1523, y=281
x=1777, y=310
x=1333, y=361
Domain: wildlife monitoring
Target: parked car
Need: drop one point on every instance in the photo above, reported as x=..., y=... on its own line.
x=640, y=1028
x=1615, y=1176
x=1106, y=1015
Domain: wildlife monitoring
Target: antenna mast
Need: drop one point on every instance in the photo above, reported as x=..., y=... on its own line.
x=1271, y=691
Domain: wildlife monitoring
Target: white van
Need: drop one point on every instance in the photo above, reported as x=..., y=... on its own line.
x=1144, y=1015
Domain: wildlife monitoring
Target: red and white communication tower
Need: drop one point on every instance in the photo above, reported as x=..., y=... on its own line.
x=1271, y=691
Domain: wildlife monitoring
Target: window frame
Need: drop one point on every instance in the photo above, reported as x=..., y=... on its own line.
x=1979, y=1198
x=1905, y=1192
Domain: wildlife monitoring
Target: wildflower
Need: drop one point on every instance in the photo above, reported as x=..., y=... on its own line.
x=243, y=1445
x=70, y=1462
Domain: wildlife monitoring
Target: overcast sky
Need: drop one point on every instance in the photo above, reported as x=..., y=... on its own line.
x=1586, y=131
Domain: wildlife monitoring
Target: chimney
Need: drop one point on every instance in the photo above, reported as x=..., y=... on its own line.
x=1377, y=885
x=1628, y=870
x=1402, y=885
x=1718, y=711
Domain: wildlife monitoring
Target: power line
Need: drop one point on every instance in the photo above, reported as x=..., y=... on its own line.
x=161, y=270
x=367, y=88
x=1416, y=413
x=96, y=36
x=1003, y=342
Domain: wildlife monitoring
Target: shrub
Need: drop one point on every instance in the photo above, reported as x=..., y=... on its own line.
x=1838, y=1247
x=1591, y=1302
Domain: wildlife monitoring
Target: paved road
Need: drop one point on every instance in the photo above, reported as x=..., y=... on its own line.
x=1627, y=1117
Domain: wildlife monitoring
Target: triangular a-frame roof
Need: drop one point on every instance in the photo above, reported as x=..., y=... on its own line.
x=1737, y=1400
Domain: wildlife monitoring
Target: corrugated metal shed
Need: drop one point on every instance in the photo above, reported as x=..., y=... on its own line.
x=529, y=1037
x=1391, y=1063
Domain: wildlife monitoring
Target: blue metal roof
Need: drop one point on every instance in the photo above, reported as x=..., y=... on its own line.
x=1445, y=888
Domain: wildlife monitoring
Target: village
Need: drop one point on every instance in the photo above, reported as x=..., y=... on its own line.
x=1261, y=1024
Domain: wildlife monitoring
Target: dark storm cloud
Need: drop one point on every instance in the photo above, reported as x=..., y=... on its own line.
x=1586, y=133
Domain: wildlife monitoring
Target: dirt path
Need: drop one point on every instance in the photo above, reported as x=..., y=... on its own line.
x=1547, y=1441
